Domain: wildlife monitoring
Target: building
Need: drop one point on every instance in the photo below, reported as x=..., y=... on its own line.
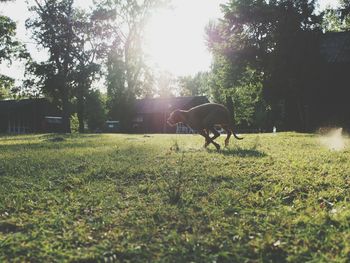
x=29, y=116
x=152, y=114
x=320, y=91
x=333, y=91
x=112, y=126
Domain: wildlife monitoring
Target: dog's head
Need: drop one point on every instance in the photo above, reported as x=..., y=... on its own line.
x=175, y=117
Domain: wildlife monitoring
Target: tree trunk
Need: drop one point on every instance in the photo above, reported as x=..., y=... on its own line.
x=81, y=120
x=301, y=114
x=80, y=111
x=65, y=68
x=66, y=111
x=230, y=106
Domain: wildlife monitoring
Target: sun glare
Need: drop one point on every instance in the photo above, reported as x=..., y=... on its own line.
x=176, y=38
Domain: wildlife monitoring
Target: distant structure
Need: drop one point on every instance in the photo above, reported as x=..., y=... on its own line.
x=29, y=116
x=335, y=47
x=331, y=101
x=152, y=114
x=112, y=126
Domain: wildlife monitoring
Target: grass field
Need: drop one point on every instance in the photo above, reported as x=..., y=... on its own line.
x=90, y=198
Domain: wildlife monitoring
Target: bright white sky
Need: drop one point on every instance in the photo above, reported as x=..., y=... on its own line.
x=175, y=37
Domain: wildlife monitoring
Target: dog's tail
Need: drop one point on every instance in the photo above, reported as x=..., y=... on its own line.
x=230, y=107
x=235, y=135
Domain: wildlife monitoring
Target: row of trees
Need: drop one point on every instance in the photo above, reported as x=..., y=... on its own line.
x=82, y=45
x=10, y=49
x=265, y=58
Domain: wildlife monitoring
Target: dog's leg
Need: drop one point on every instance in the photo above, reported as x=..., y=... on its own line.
x=205, y=134
x=209, y=122
x=216, y=135
x=229, y=133
x=207, y=142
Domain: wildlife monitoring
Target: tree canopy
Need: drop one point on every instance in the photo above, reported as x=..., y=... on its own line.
x=74, y=40
x=10, y=49
x=128, y=76
x=266, y=59
x=276, y=41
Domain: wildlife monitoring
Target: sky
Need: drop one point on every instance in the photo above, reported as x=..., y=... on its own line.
x=175, y=39
x=176, y=36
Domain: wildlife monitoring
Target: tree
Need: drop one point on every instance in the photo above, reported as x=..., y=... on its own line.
x=10, y=49
x=197, y=85
x=6, y=84
x=74, y=40
x=242, y=94
x=166, y=84
x=277, y=40
x=127, y=74
x=345, y=9
x=337, y=20
x=89, y=46
x=250, y=107
x=95, y=110
x=52, y=28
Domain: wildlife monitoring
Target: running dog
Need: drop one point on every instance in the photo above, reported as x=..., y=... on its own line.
x=203, y=118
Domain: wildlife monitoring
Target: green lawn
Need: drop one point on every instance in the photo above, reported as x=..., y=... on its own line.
x=268, y=198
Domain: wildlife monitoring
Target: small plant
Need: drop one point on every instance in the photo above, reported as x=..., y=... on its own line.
x=175, y=146
x=176, y=183
x=256, y=143
x=74, y=123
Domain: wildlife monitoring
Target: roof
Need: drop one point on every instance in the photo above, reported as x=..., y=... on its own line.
x=156, y=105
x=6, y=105
x=42, y=105
x=335, y=47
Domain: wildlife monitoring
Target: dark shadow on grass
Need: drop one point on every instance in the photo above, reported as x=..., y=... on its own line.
x=6, y=227
x=49, y=136
x=240, y=152
x=49, y=141
x=18, y=137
